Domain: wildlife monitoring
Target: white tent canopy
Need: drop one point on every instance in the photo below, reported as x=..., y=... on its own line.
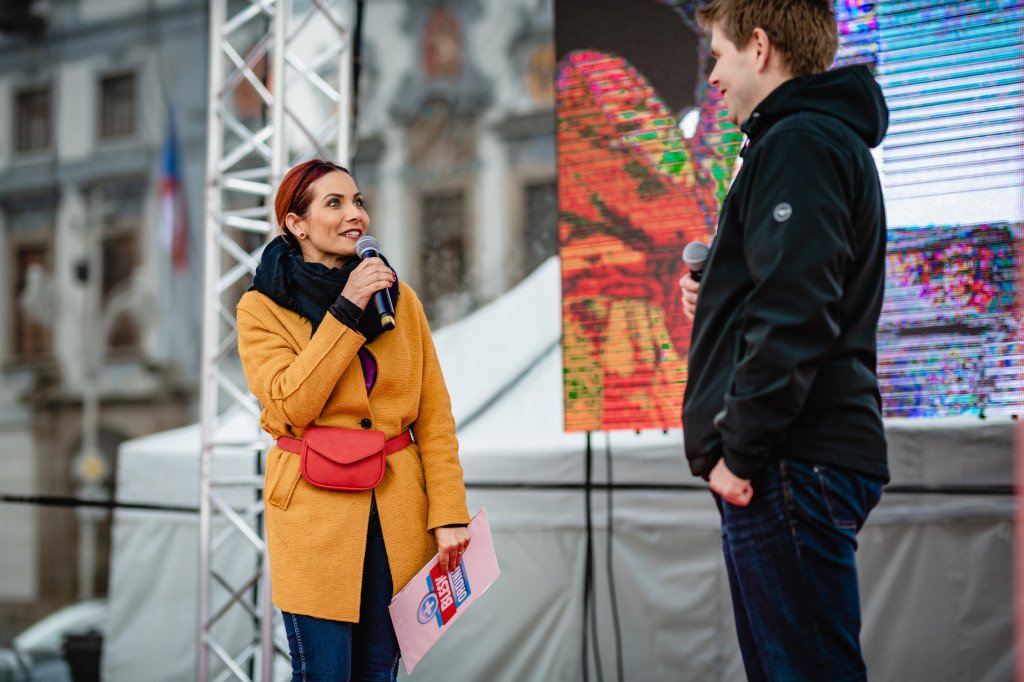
x=935, y=569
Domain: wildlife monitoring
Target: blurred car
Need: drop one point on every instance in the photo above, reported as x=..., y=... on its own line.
x=47, y=650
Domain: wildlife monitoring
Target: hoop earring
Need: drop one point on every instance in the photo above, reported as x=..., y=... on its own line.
x=302, y=235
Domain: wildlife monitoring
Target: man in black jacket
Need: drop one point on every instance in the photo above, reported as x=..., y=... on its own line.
x=782, y=412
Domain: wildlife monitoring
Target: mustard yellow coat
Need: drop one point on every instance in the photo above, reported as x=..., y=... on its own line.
x=317, y=538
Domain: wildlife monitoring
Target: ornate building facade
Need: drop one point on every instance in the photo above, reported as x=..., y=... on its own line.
x=101, y=218
x=456, y=152
x=102, y=104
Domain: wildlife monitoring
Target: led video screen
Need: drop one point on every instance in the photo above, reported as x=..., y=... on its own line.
x=645, y=159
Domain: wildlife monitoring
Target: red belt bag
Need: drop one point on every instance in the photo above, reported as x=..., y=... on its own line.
x=343, y=459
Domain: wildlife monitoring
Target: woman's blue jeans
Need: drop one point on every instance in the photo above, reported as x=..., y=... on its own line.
x=792, y=573
x=333, y=651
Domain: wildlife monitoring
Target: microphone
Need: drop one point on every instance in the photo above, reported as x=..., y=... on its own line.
x=694, y=256
x=368, y=247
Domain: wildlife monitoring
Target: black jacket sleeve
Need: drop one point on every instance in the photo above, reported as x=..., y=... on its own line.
x=797, y=244
x=346, y=312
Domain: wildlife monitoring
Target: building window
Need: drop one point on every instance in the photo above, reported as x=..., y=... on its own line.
x=120, y=258
x=122, y=253
x=540, y=229
x=32, y=120
x=117, y=106
x=442, y=254
x=32, y=338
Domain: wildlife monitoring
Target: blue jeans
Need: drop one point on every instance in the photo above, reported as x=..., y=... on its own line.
x=333, y=651
x=792, y=574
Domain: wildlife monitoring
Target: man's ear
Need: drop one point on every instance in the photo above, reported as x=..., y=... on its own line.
x=763, y=48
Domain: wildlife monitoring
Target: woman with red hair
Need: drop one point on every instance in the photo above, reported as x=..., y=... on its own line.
x=314, y=359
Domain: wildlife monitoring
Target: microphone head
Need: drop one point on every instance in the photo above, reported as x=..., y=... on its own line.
x=694, y=255
x=366, y=243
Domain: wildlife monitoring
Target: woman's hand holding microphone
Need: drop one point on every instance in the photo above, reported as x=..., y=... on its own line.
x=369, y=277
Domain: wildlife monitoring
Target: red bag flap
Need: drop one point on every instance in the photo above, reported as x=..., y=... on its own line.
x=343, y=446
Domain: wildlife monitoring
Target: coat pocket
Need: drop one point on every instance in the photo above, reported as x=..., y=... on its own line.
x=283, y=474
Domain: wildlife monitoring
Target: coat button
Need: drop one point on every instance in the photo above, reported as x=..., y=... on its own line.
x=366, y=423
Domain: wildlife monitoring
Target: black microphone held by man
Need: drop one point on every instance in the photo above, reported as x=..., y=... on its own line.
x=694, y=256
x=368, y=247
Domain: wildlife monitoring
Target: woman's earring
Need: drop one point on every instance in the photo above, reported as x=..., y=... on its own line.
x=302, y=235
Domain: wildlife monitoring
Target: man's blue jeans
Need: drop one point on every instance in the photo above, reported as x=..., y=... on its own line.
x=792, y=574
x=333, y=651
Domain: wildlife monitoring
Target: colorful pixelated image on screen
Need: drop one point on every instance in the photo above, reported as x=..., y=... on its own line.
x=643, y=169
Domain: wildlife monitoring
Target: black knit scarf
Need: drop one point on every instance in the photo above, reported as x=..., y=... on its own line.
x=309, y=289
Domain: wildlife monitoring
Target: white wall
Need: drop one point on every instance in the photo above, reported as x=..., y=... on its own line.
x=18, y=536
x=75, y=125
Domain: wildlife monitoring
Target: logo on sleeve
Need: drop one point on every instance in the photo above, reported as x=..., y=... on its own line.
x=782, y=212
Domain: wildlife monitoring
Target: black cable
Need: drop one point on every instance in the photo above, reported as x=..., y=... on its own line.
x=906, y=489
x=586, y=566
x=553, y=485
x=59, y=501
x=588, y=578
x=593, y=632
x=616, y=625
x=987, y=490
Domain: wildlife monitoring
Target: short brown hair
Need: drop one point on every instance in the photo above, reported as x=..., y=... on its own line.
x=803, y=31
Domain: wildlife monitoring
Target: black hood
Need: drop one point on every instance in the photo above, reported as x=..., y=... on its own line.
x=849, y=94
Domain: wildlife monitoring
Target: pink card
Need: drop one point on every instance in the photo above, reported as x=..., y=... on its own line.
x=432, y=601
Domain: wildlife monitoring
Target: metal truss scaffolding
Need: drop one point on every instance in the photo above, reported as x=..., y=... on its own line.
x=279, y=93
